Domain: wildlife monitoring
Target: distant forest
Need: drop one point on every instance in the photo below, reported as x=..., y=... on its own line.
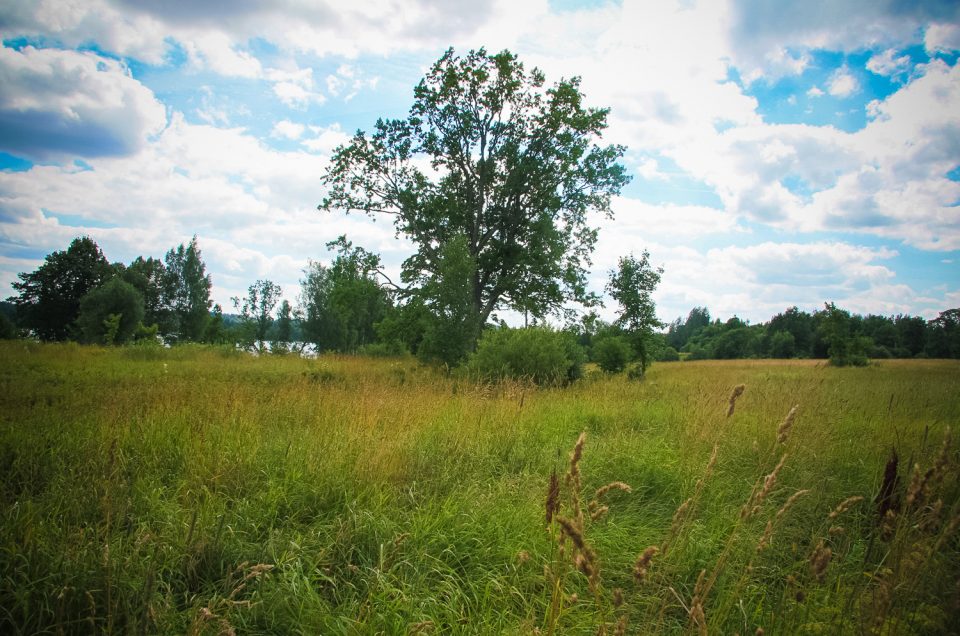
x=77, y=294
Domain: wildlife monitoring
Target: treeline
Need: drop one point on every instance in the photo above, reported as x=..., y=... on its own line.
x=843, y=337
x=77, y=294
x=348, y=306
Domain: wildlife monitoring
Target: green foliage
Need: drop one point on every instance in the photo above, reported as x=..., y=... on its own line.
x=48, y=301
x=612, y=353
x=679, y=332
x=187, y=293
x=110, y=314
x=632, y=285
x=342, y=304
x=8, y=330
x=537, y=354
x=944, y=335
x=146, y=335
x=283, y=328
x=783, y=345
x=521, y=172
x=844, y=347
x=149, y=277
x=256, y=311
x=735, y=342
x=668, y=354
x=450, y=327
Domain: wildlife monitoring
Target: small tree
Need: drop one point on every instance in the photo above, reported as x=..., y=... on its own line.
x=149, y=277
x=612, y=353
x=110, y=314
x=632, y=285
x=284, y=328
x=256, y=311
x=187, y=292
x=343, y=303
x=844, y=347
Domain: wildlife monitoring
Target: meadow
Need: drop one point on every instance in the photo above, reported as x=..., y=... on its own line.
x=203, y=491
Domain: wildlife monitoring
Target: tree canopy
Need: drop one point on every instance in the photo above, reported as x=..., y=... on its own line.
x=187, y=292
x=489, y=157
x=49, y=297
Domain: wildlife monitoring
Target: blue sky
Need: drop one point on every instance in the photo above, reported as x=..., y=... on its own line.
x=782, y=154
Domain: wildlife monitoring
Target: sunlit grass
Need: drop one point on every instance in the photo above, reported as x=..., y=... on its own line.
x=142, y=486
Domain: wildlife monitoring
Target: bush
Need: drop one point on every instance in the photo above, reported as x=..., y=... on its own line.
x=612, y=353
x=110, y=314
x=539, y=354
x=668, y=354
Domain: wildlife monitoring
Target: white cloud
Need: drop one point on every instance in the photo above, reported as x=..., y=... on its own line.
x=287, y=129
x=760, y=28
x=842, y=83
x=325, y=140
x=215, y=51
x=888, y=64
x=815, y=92
x=295, y=87
x=942, y=38
x=347, y=82
x=67, y=103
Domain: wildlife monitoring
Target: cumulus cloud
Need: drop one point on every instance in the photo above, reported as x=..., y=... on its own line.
x=287, y=129
x=842, y=83
x=942, y=38
x=66, y=103
x=888, y=63
x=295, y=87
x=759, y=27
x=253, y=207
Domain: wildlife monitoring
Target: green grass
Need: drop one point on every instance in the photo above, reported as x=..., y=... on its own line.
x=145, y=491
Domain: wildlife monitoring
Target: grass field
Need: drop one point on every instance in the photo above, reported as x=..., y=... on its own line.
x=202, y=491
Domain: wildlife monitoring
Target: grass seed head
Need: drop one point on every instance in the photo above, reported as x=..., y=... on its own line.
x=843, y=506
x=553, y=497
x=643, y=564
x=737, y=392
x=614, y=485
x=887, y=497
x=783, y=431
x=819, y=560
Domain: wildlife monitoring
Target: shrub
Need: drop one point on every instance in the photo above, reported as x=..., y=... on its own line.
x=612, y=353
x=538, y=354
x=668, y=354
x=110, y=314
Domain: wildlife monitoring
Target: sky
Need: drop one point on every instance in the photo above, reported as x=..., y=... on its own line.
x=782, y=153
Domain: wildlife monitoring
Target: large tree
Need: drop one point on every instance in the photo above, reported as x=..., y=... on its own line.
x=514, y=171
x=49, y=298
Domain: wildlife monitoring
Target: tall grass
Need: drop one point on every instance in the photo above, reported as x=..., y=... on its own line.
x=194, y=490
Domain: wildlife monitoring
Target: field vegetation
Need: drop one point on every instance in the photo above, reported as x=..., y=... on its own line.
x=204, y=491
